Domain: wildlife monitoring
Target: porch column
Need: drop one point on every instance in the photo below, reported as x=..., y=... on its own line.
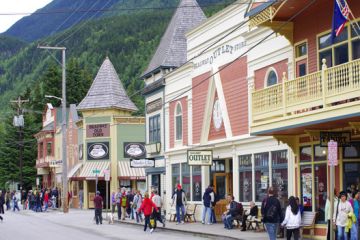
x=86, y=195
x=236, y=175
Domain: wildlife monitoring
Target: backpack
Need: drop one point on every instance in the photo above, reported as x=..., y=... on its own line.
x=271, y=213
x=123, y=201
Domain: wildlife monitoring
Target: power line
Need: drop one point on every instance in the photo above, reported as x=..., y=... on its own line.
x=124, y=9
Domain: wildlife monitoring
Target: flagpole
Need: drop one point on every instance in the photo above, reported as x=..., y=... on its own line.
x=352, y=22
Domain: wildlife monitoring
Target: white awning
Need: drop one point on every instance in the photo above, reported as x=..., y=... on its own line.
x=127, y=172
x=88, y=170
x=73, y=171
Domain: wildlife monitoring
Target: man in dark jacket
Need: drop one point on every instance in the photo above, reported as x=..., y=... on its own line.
x=208, y=200
x=98, y=202
x=234, y=211
x=271, y=212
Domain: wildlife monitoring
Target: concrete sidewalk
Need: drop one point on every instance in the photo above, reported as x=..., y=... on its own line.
x=213, y=231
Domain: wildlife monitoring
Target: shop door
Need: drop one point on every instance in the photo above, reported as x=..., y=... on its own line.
x=222, y=186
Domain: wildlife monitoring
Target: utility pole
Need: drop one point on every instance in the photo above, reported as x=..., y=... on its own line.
x=64, y=195
x=19, y=122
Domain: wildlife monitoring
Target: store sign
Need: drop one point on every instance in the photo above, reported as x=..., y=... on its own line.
x=202, y=158
x=154, y=106
x=142, y=163
x=134, y=150
x=343, y=139
x=332, y=153
x=55, y=163
x=98, y=130
x=98, y=151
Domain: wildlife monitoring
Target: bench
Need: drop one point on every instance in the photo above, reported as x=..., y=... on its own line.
x=172, y=214
x=190, y=212
x=255, y=223
x=308, y=221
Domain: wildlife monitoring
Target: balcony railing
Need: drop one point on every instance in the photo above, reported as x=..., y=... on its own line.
x=319, y=90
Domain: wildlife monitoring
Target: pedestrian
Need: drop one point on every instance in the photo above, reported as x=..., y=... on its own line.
x=38, y=202
x=130, y=199
x=179, y=198
x=136, y=205
x=2, y=202
x=292, y=219
x=98, y=203
x=208, y=200
x=7, y=199
x=118, y=205
x=159, y=204
x=235, y=209
x=146, y=207
x=15, y=202
x=81, y=199
x=46, y=200
x=253, y=213
x=124, y=204
x=355, y=205
x=342, y=211
x=113, y=202
x=216, y=199
x=271, y=212
x=328, y=218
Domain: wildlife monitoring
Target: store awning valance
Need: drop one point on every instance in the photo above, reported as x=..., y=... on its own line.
x=88, y=171
x=73, y=171
x=127, y=172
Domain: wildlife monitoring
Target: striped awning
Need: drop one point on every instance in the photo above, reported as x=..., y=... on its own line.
x=127, y=172
x=73, y=171
x=87, y=171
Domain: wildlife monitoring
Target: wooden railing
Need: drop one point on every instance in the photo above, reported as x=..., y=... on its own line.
x=318, y=90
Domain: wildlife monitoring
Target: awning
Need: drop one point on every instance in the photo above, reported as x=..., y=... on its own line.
x=87, y=171
x=155, y=170
x=73, y=171
x=126, y=172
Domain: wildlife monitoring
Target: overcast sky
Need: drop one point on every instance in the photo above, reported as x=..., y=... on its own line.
x=17, y=6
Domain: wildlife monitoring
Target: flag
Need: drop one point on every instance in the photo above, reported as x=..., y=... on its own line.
x=340, y=17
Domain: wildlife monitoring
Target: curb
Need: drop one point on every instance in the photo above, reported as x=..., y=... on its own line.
x=210, y=235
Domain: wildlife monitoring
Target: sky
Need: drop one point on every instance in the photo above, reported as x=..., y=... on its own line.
x=17, y=6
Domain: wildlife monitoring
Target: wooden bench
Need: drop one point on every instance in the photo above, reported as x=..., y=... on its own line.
x=190, y=212
x=308, y=221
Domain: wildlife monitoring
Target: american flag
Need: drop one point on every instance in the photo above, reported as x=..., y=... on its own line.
x=340, y=17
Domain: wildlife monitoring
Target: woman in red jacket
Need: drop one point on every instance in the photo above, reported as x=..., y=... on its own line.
x=46, y=200
x=146, y=207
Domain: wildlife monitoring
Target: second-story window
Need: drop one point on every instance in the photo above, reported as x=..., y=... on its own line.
x=178, y=122
x=154, y=129
x=41, y=150
x=271, y=78
x=49, y=149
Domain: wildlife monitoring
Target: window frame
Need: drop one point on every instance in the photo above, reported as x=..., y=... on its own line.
x=301, y=58
x=176, y=116
x=154, y=128
x=269, y=70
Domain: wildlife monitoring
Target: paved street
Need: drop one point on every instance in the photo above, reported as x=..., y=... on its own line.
x=77, y=225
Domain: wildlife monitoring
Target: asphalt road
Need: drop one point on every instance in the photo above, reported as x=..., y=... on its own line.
x=76, y=225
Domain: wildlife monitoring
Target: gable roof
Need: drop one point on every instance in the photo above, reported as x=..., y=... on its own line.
x=107, y=91
x=172, y=49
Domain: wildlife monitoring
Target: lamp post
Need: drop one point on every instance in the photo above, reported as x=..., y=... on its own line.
x=64, y=194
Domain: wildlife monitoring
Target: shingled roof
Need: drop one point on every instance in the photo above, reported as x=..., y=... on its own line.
x=106, y=91
x=172, y=49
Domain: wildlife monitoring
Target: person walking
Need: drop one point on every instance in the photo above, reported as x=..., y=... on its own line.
x=179, y=198
x=341, y=214
x=46, y=200
x=124, y=204
x=147, y=207
x=118, y=205
x=136, y=205
x=98, y=203
x=7, y=199
x=2, y=202
x=292, y=219
x=15, y=202
x=208, y=200
x=158, y=203
x=328, y=218
x=271, y=212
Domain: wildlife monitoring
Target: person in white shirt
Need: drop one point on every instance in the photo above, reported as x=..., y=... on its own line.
x=157, y=200
x=292, y=219
x=341, y=214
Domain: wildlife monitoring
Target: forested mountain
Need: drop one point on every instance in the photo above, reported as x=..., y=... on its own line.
x=9, y=46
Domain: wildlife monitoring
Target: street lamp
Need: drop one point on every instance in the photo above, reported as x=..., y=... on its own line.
x=64, y=194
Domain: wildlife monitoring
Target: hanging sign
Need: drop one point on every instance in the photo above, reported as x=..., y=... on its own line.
x=343, y=139
x=142, y=163
x=200, y=158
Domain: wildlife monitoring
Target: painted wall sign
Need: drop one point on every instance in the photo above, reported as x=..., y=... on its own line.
x=220, y=51
x=98, y=151
x=201, y=157
x=142, y=163
x=343, y=139
x=134, y=150
x=98, y=130
x=154, y=106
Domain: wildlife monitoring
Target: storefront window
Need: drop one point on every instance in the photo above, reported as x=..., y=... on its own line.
x=185, y=173
x=218, y=166
x=351, y=176
x=320, y=191
x=245, y=168
x=319, y=153
x=306, y=186
x=353, y=151
x=196, y=183
x=261, y=175
x=305, y=154
x=175, y=174
x=280, y=174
